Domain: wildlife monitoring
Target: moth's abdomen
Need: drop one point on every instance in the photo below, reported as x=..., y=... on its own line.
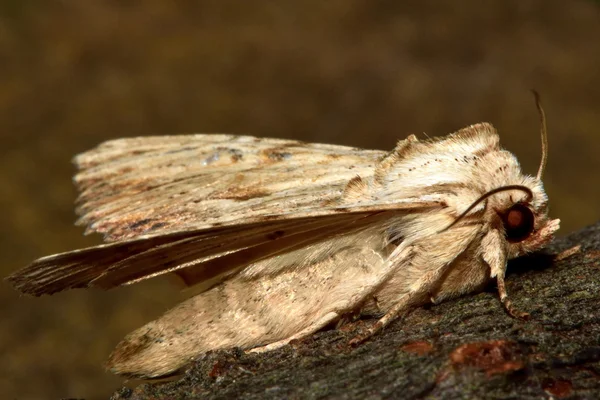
x=251, y=311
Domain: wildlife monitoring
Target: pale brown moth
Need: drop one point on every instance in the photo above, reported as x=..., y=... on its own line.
x=287, y=237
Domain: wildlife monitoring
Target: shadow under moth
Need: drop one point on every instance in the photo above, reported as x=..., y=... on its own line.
x=287, y=237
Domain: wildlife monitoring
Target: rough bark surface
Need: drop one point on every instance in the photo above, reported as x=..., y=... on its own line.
x=463, y=349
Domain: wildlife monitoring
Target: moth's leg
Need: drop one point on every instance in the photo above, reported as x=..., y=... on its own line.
x=506, y=302
x=419, y=288
x=309, y=330
x=433, y=256
x=494, y=254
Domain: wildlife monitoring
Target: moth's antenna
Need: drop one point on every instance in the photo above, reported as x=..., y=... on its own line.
x=538, y=104
x=485, y=196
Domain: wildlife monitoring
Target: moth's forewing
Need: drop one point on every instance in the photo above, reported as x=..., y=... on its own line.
x=159, y=185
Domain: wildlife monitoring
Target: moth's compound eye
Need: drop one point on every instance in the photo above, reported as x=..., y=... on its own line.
x=518, y=222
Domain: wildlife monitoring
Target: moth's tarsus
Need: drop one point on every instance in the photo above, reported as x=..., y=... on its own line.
x=513, y=311
x=543, y=133
x=507, y=303
x=357, y=340
x=364, y=336
x=485, y=196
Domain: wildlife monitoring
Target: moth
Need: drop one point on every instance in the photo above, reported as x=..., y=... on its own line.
x=286, y=237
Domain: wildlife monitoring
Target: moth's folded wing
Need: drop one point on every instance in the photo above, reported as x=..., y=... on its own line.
x=161, y=185
x=196, y=256
x=76, y=269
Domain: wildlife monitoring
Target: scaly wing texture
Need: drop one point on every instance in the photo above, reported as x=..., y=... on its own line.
x=158, y=185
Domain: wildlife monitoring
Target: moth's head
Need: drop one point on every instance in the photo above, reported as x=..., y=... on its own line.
x=520, y=210
x=523, y=218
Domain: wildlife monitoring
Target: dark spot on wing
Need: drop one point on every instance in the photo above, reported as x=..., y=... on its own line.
x=158, y=225
x=279, y=156
x=235, y=154
x=276, y=154
x=135, y=228
x=180, y=150
x=139, y=223
x=340, y=210
x=275, y=235
x=251, y=195
x=239, y=194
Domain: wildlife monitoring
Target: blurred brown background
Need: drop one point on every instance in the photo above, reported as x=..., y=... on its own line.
x=362, y=73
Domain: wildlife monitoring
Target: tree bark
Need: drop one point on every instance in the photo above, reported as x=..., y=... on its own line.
x=468, y=348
